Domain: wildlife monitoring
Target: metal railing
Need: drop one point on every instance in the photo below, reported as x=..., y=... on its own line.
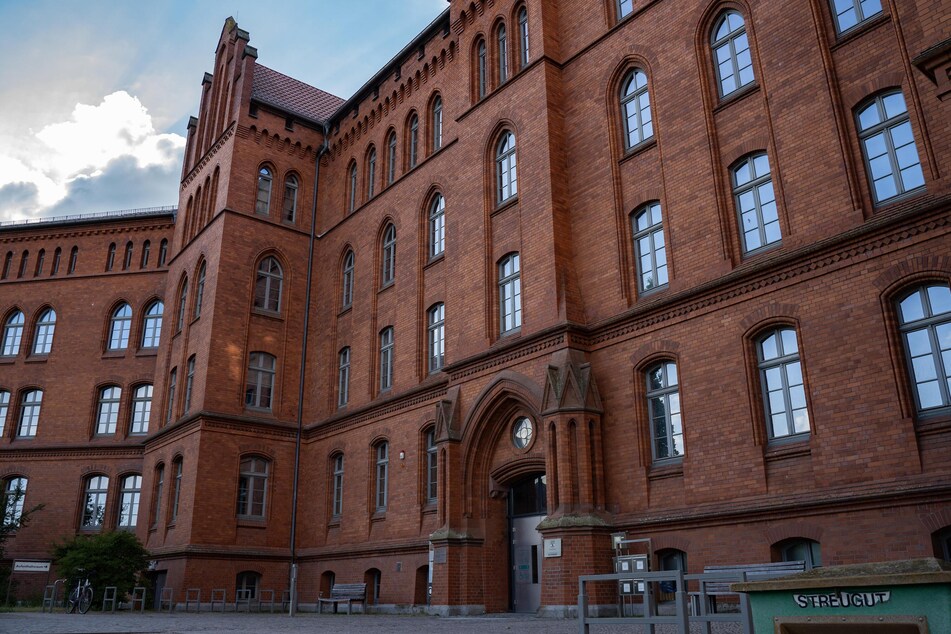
x=99, y=215
x=689, y=607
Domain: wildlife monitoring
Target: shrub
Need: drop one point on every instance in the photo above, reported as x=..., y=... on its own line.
x=109, y=559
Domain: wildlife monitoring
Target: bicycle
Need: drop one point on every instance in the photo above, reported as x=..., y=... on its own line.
x=81, y=596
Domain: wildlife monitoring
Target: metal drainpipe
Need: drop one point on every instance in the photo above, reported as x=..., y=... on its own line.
x=303, y=375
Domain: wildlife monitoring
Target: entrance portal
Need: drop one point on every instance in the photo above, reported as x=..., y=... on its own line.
x=527, y=507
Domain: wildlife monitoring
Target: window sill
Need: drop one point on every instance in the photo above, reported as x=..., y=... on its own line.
x=147, y=352
x=114, y=354
x=933, y=423
x=39, y=358
x=8, y=360
x=334, y=522
x=251, y=522
x=254, y=410
x=896, y=200
x=505, y=204
x=747, y=256
x=268, y=314
x=514, y=332
x=736, y=96
x=436, y=259
x=387, y=286
x=346, y=309
x=673, y=468
x=640, y=148
x=644, y=294
x=430, y=508
x=788, y=447
x=859, y=30
x=378, y=516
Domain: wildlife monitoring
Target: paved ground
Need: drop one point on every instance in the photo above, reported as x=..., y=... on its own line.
x=151, y=623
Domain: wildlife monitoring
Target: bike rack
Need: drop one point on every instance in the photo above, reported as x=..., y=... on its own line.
x=49, y=595
x=138, y=596
x=193, y=595
x=109, y=596
x=242, y=597
x=266, y=598
x=219, y=595
x=168, y=595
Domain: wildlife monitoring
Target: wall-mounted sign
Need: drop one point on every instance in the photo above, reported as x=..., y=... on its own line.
x=842, y=599
x=553, y=547
x=31, y=566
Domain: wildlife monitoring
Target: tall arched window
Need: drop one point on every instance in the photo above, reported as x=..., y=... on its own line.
x=386, y=358
x=503, y=49
x=391, y=159
x=371, y=173
x=481, y=69
x=337, y=508
x=624, y=8
x=7, y=263
x=177, y=471
x=141, y=409
x=30, y=404
x=146, y=249
x=170, y=396
x=57, y=256
x=163, y=252
x=4, y=410
x=182, y=305
x=268, y=285
x=343, y=377
x=413, y=140
x=388, y=256
x=130, y=496
x=111, y=256
x=252, y=487
x=352, y=193
x=437, y=336
x=663, y=407
x=382, y=466
x=107, y=412
x=119, y=327
x=260, y=384
x=262, y=202
x=189, y=382
x=523, y=50
x=152, y=327
x=290, y=199
x=756, y=203
x=346, y=298
x=505, y=168
x=13, y=334
x=157, y=494
x=437, y=226
x=94, y=502
x=24, y=261
x=200, y=290
x=14, y=492
x=40, y=259
x=636, y=109
x=650, y=247
x=432, y=467
x=925, y=322
x=781, y=379
x=510, y=294
x=127, y=260
x=888, y=145
x=731, y=53
x=437, y=123
x=246, y=585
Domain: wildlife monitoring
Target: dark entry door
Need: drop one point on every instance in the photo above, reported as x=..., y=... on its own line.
x=159, y=586
x=527, y=507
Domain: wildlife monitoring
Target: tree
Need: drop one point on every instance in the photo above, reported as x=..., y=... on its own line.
x=13, y=517
x=108, y=559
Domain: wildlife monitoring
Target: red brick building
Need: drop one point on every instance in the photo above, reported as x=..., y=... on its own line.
x=675, y=270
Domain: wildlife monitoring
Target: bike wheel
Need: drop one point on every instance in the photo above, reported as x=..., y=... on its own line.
x=85, y=600
x=72, y=601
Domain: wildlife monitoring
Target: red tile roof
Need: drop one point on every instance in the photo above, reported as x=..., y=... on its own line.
x=279, y=90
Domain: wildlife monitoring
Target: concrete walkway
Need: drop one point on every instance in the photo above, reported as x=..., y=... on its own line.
x=153, y=623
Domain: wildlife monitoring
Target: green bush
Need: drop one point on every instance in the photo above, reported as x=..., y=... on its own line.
x=109, y=559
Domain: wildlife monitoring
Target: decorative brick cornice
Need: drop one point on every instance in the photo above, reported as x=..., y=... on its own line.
x=428, y=394
x=54, y=453
x=208, y=156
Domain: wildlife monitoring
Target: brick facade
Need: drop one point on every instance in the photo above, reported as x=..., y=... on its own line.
x=870, y=480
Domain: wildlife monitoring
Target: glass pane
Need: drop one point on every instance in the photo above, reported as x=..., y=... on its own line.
x=880, y=166
x=673, y=402
x=918, y=342
x=774, y=378
x=869, y=116
x=766, y=196
x=678, y=445
x=875, y=146
x=885, y=188
x=794, y=373
x=675, y=424
x=943, y=332
x=912, y=177
x=894, y=104
x=929, y=395
x=847, y=19
x=769, y=348
x=780, y=427
x=790, y=346
x=742, y=173
x=776, y=402
x=911, y=307
x=773, y=233
x=658, y=409
x=747, y=202
x=797, y=397
x=800, y=421
x=901, y=135
x=661, y=448
x=924, y=368
x=672, y=375
x=870, y=8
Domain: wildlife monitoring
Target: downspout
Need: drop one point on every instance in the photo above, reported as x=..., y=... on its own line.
x=303, y=373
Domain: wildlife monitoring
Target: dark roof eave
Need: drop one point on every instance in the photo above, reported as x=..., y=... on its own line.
x=317, y=123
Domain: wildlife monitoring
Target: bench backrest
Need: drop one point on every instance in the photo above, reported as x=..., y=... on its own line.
x=349, y=591
x=754, y=572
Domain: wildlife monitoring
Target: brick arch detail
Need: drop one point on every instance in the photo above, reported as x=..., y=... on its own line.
x=907, y=271
x=769, y=313
x=935, y=520
x=671, y=542
x=853, y=96
x=793, y=530
x=654, y=349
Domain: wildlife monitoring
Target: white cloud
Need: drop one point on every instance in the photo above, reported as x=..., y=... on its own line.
x=81, y=149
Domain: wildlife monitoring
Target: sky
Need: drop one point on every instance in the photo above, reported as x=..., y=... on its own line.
x=95, y=95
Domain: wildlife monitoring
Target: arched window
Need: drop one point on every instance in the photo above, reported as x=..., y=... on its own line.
x=260, y=384
x=107, y=412
x=731, y=53
x=388, y=257
x=636, y=109
x=252, y=487
x=14, y=492
x=7, y=262
x=624, y=8
x=942, y=544
x=437, y=226
x=386, y=358
x=94, y=502
x=663, y=407
x=170, y=397
x=290, y=199
x=650, y=247
x=157, y=493
x=189, y=382
x=30, y=404
x=481, y=69
x=24, y=261
x=523, y=50
x=781, y=379
x=437, y=336
x=437, y=123
x=391, y=158
x=510, y=294
x=127, y=260
x=755, y=203
x=262, y=202
x=246, y=585
x=119, y=327
x=111, y=256
x=337, y=509
x=503, y=49
x=888, y=146
x=372, y=579
x=925, y=323
x=73, y=259
x=200, y=290
x=4, y=410
x=182, y=304
x=268, y=285
x=671, y=559
x=13, y=334
x=800, y=549
x=163, y=252
x=129, y=498
x=152, y=328
x=45, y=327
x=347, y=278
x=371, y=173
x=506, y=180
x=432, y=467
x=352, y=193
x=57, y=256
x=413, y=140
x=40, y=259
x=141, y=409
x=382, y=466
x=146, y=249
x=343, y=377
x=177, y=468
x=851, y=13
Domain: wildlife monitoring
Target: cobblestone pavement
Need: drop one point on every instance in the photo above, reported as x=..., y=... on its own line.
x=180, y=623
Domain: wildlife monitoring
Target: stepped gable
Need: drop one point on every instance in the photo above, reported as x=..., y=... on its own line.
x=278, y=90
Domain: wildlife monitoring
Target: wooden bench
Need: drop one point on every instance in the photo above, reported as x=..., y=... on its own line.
x=735, y=573
x=348, y=593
